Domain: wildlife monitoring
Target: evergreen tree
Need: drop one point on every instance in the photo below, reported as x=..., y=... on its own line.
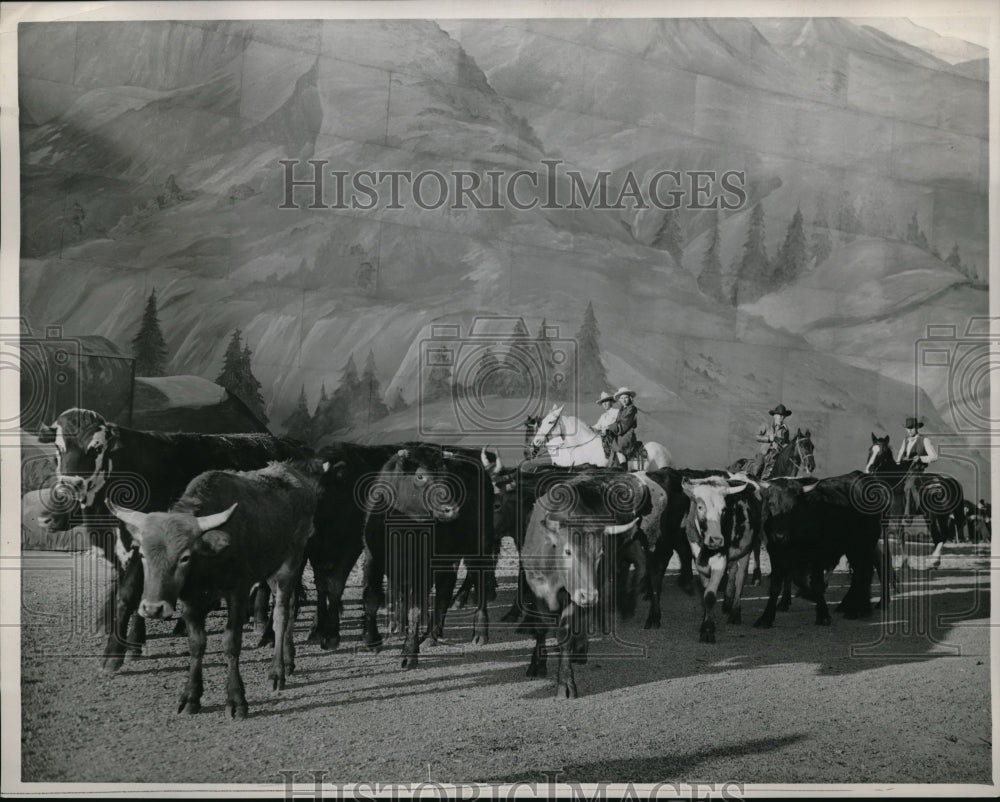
x=847, y=219
x=821, y=246
x=668, y=236
x=437, y=383
x=520, y=369
x=710, y=278
x=371, y=393
x=232, y=361
x=591, y=376
x=251, y=387
x=755, y=267
x=299, y=424
x=550, y=370
x=915, y=236
x=399, y=402
x=343, y=403
x=149, y=348
x=954, y=260
x=793, y=253
x=488, y=375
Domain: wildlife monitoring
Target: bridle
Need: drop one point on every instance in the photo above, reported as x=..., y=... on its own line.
x=559, y=427
x=799, y=457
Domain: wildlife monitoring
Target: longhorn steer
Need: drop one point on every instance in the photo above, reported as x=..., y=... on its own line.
x=228, y=529
x=150, y=471
x=566, y=540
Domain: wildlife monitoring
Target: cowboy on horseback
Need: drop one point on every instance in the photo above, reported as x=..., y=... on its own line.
x=622, y=429
x=916, y=452
x=772, y=436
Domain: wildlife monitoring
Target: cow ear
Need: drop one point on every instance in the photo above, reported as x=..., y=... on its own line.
x=46, y=434
x=213, y=541
x=688, y=487
x=112, y=438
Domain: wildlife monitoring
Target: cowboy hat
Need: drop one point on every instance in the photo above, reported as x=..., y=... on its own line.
x=781, y=409
x=605, y=396
x=624, y=391
x=913, y=423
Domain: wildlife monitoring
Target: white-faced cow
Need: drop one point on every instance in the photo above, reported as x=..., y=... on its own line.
x=721, y=525
x=148, y=470
x=573, y=527
x=228, y=529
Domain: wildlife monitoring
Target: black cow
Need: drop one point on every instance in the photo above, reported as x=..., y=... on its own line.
x=227, y=530
x=564, y=547
x=808, y=528
x=148, y=471
x=430, y=509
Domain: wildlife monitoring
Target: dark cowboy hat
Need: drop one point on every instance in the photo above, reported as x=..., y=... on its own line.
x=913, y=423
x=781, y=409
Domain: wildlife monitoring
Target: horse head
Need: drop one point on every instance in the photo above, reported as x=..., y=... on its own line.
x=545, y=427
x=804, y=451
x=880, y=455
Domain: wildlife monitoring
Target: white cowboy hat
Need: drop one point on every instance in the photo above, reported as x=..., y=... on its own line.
x=605, y=396
x=624, y=391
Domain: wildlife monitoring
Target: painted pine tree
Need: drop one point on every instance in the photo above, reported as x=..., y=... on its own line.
x=251, y=387
x=821, y=246
x=553, y=375
x=591, y=376
x=148, y=347
x=520, y=364
x=710, y=277
x=669, y=237
x=232, y=365
x=374, y=407
x=793, y=253
x=755, y=267
x=299, y=424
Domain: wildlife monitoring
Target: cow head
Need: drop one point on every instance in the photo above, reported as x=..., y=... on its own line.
x=84, y=444
x=422, y=483
x=168, y=543
x=572, y=550
x=708, y=508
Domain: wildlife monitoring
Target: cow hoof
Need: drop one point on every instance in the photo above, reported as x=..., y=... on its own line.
x=763, y=623
x=935, y=564
x=541, y=670
x=735, y=617
x=112, y=663
x=756, y=579
x=511, y=616
x=409, y=662
x=727, y=605
x=237, y=710
x=651, y=623
x=314, y=636
x=687, y=586
x=481, y=639
x=567, y=691
x=267, y=639
x=191, y=705
x=330, y=642
x=783, y=606
x=707, y=635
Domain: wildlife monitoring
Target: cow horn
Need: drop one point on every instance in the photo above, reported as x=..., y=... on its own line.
x=737, y=489
x=810, y=488
x=207, y=522
x=326, y=466
x=485, y=460
x=619, y=529
x=447, y=454
x=133, y=519
x=403, y=453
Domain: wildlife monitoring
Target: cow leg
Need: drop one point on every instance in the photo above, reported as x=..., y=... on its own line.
x=129, y=593
x=329, y=626
x=283, y=661
x=372, y=598
x=757, y=578
x=538, y=666
x=519, y=607
x=734, y=589
x=786, y=593
x=411, y=635
x=321, y=616
x=481, y=620
x=685, y=580
x=444, y=587
x=634, y=553
x=263, y=624
x=716, y=570
x=464, y=590
x=939, y=533
x=818, y=591
x=883, y=566
x=654, y=584
x=106, y=618
x=565, y=681
x=776, y=582
x=195, y=611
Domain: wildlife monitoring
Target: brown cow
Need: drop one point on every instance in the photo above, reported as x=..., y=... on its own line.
x=229, y=529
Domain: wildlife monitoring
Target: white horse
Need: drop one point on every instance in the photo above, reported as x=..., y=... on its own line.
x=569, y=441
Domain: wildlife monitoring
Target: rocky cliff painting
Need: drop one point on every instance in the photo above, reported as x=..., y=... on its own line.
x=161, y=157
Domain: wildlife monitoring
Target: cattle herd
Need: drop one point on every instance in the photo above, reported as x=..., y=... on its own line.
x=192, y=519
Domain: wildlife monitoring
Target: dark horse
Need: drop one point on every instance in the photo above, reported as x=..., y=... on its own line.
x=940, y=497
x=795, y=458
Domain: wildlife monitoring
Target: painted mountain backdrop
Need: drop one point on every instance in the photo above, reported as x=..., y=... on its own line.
x=151, y=161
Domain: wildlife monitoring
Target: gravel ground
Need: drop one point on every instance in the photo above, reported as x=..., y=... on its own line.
x=903, y=698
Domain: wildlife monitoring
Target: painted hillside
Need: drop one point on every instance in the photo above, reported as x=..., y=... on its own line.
x=151, y=161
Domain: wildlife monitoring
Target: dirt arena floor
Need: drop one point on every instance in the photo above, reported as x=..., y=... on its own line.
x=903, y=697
